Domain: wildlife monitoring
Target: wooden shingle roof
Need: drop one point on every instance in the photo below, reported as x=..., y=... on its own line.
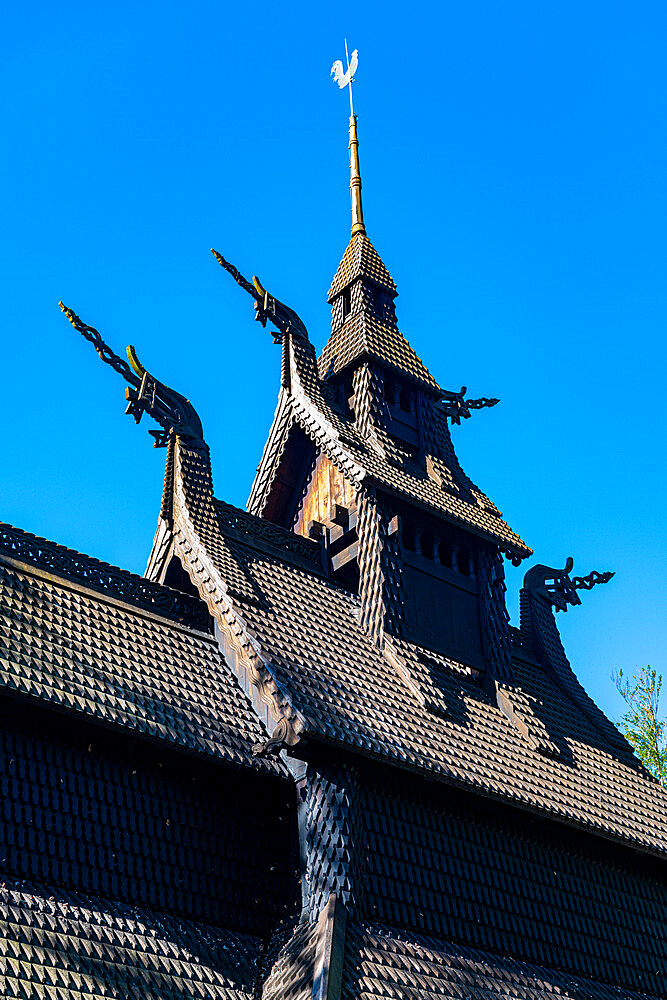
x=349, y=693
x=365, y=336
x=382, y=963
x=62, y=943
x=360, y=259
x=109, y=659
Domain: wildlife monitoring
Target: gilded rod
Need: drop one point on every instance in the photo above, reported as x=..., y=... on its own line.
x=355, y=180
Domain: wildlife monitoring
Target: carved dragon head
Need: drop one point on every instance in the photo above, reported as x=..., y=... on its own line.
x=145, y=394
x=557, y=587
x=456, y=406
x=554, y=585
x=267, y=308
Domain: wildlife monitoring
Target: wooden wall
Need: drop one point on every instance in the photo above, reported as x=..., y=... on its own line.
x=327, y=486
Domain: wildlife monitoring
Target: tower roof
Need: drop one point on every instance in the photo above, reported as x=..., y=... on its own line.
x=365, y=336
x=367, y=330
x=361, y=260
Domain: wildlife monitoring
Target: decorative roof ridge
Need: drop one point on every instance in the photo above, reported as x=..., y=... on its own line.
x=249, y=528
x=110, y=581
x=544, y=591
x=145, y=394
x=223, y=582
x=351, y=454
x=522, y=646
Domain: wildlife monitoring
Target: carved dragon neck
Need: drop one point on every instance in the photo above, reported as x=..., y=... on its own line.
x=145, y=394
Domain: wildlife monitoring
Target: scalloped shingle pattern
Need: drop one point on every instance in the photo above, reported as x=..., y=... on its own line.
x=360, y=259
x=292, y=964
x=110, y=580
x=350, y=694
x=58, y=944
x=383, y=964
x=111, y=662
x=365, y=336
x=532, y=890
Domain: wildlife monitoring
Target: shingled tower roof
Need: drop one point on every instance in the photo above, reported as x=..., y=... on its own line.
x=360, y=259
x=368, y=405
x=363, y=317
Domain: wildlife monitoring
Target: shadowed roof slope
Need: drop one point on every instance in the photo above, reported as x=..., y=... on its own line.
x=349, y=693
x=61, y=943
x=94, y=654
x=382, y=963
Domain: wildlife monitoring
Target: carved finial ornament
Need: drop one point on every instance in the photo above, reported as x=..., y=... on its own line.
x=588, y=582
x=456, y=406
x=267, y=308
x=145, y=394
x=557, y=588
x=279, y=740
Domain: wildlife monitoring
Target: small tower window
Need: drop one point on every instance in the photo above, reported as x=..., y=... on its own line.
x=427, y=545
x=463, y=561
x=409, y=536
x=406, y=400
x=346, y=300
x=445, y=553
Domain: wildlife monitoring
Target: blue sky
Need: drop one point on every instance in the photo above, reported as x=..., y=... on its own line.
x=513, y=161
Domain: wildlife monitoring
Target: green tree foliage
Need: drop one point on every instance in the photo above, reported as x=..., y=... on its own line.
x=641, y=724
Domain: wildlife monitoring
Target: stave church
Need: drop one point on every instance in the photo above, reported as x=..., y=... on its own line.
x=306, y=756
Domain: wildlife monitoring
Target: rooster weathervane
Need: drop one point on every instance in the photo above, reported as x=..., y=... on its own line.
x=344, y=79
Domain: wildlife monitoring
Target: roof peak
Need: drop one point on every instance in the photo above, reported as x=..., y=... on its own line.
x=361, y=259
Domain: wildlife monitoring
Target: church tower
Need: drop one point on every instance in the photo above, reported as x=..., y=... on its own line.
x=360, y=456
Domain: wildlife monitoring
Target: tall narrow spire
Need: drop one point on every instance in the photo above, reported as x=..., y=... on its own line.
x=355, y=180
x=362, y=293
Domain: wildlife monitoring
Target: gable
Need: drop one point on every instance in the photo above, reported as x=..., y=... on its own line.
x=326, y=489
x=292, y=468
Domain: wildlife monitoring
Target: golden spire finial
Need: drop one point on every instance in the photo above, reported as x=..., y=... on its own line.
x=355, y=180
x=345, y=79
